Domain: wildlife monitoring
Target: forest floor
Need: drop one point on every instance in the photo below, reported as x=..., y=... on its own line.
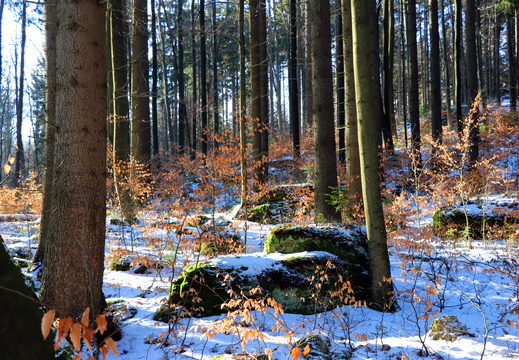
x=475, y=280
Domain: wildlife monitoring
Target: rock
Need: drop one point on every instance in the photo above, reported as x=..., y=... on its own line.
x=349, y=243
x=478, y=218
x=319, y=346
x=280, y=204
x=20, y=316
x=447, y=327
x=303, y=283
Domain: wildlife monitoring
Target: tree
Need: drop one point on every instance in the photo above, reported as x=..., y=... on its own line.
x=46, y=231
x=259, y=86
x=203, y=79
x=293, y=86
x=472, y=80
x=510, y=41
x=352, y=139
x=74, y=257
x=457, y=65
x=140, y=124
x=19, y=162
x=436, y=101
x=119, y=107
x=414, y=101
x=382, y=295
x=182, y=108
x=325, y=173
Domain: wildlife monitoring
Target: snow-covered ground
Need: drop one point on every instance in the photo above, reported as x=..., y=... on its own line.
x=477, y=282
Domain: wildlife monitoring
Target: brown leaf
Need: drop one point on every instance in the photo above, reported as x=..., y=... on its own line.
x=296, y=353
x=63, y=329
x=306, y=351
x=75, y=336
x=85, y=319
x=112, y=345
x=46, y=322
x=102, y=324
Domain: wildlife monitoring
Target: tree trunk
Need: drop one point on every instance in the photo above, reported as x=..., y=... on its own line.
x=325, y=173
x=414, y=101
x=388, y=114
x=118, y=107
x=458, y=86
x=141, y=130
x=203, y=79
x=182, y=108
x=19, y=168
x=352, y=139
x=436, y=101
x=446, y=65
x=472, y=80
x=46, y=234
x=259, y=87
x=293, y=86
x=382, y=294
x=510, y=28
x=74, y=258
x=242, y=110
x=154, y=80
x=216, y=110
x=340, y=92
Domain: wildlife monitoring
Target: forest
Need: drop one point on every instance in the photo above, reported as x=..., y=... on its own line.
x=260, y=179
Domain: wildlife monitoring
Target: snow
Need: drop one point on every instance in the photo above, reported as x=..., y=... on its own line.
x=438, y=278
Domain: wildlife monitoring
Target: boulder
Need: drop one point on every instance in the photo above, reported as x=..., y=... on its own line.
x=318, y=345
x=478, y=218
x=447, y=327
x=349, y=243
x=20, y=316
x=303, y=283
x=280, y=204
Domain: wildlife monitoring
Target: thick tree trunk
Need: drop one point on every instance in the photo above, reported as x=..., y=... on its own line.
x=74, y=258
x=325, y=173
x=388, y=66
x=382, y=293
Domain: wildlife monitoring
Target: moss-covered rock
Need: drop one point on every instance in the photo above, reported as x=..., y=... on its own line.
x=20, y=316
x=280, y=204
x=319, y=346
x=447, y=327
x=303, y=283
x=478, y=218
x=349, y=243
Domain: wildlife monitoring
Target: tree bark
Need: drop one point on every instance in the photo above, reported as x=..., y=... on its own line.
x=46, y=234
x=325, y=173
x=382, y=294
x=352, y=139
x=293, y=86
x=182, y=108
x=141, y=129
x=510, y=28
x=472, y=80
x=74, y=259
x=19, y=168
x=436, y=101
x=414, y=101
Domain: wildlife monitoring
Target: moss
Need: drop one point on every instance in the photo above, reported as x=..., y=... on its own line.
x=319, y=347
x=446, y=327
